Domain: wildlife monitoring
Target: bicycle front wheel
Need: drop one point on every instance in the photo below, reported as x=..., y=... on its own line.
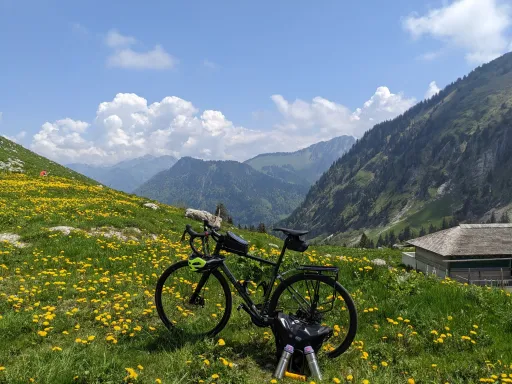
x=319, y=299
x=193, y=303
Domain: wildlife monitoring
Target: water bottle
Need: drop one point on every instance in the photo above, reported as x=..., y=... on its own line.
x=312, y=362
x=283, y=361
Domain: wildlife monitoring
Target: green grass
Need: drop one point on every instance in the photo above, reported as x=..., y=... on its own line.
x=33, y=164
x=363, y=178
x=100, y=284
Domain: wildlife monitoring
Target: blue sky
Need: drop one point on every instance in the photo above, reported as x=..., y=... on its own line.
x=246, y=77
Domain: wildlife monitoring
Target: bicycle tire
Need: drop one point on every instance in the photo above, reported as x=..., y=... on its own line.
x=227, y=293
x=349, y=302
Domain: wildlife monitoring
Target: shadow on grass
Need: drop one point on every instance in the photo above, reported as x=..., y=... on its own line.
x=171, y=340
x=263, y=354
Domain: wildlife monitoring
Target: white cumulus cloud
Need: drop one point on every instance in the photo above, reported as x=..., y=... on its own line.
x=328, y=119
x=16, y=138
x=127, y=127
x=114, y=39
x=124, y=56
x=479, y=27
x=432, y=90
x=156, y=58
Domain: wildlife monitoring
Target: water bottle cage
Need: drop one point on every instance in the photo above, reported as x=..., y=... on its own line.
x=265, y=286
x=244, y=285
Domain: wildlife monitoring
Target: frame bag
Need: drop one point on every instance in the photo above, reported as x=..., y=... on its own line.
x=235, y=244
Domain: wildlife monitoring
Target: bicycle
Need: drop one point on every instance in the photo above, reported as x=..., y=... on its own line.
x=199, y=293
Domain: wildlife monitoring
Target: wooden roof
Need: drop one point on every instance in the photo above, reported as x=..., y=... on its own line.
x=468, y=240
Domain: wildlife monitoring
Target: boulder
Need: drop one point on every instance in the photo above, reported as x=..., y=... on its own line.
x=62, y=228
x=111, y=232
x=198, y=215
x=151, y=205
x=13, y=239
x=379, y=262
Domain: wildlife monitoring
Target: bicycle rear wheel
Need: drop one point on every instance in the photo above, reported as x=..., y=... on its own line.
x=319, y=299
x=193, y=303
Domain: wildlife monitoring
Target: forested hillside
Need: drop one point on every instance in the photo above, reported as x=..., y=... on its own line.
x=447, y=157
x=251, y=197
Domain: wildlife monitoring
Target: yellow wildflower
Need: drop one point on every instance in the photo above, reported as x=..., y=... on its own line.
x=131, y=373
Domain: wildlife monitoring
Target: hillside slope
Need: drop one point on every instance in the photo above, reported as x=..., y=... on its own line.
x=15, y=158
x=79, y=305
x=250, y=196
x=127, y=175
x=450, y=155
x=304, y=166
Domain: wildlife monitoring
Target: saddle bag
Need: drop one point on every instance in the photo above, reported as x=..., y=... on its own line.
x=296, y=244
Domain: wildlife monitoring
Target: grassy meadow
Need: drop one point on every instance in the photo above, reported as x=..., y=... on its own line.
x=79, y=307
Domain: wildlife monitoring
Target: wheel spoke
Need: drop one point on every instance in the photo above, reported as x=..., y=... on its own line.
x=294, y=294
x=331, y=306
x=192, y=302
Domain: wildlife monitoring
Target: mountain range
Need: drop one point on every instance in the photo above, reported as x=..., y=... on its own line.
x=250, y=196
x=304, y=166
x=273, y=184
x=127, y=175
x=447, y=157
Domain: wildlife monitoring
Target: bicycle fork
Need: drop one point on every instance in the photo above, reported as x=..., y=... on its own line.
x=202, y=281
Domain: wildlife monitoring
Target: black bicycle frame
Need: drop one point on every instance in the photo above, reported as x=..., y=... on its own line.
x=258, y=315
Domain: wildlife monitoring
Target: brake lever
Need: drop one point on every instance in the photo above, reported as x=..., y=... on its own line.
x=183, y=236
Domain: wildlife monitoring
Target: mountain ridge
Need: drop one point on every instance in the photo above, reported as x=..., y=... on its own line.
x=127, y=175
x=250, y=196
x=305, y=165
x=433, y=161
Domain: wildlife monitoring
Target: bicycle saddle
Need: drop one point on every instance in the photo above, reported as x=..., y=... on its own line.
x=293, y=232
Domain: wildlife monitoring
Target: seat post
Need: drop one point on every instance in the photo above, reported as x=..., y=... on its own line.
x=276, y=270
x=281, y=256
